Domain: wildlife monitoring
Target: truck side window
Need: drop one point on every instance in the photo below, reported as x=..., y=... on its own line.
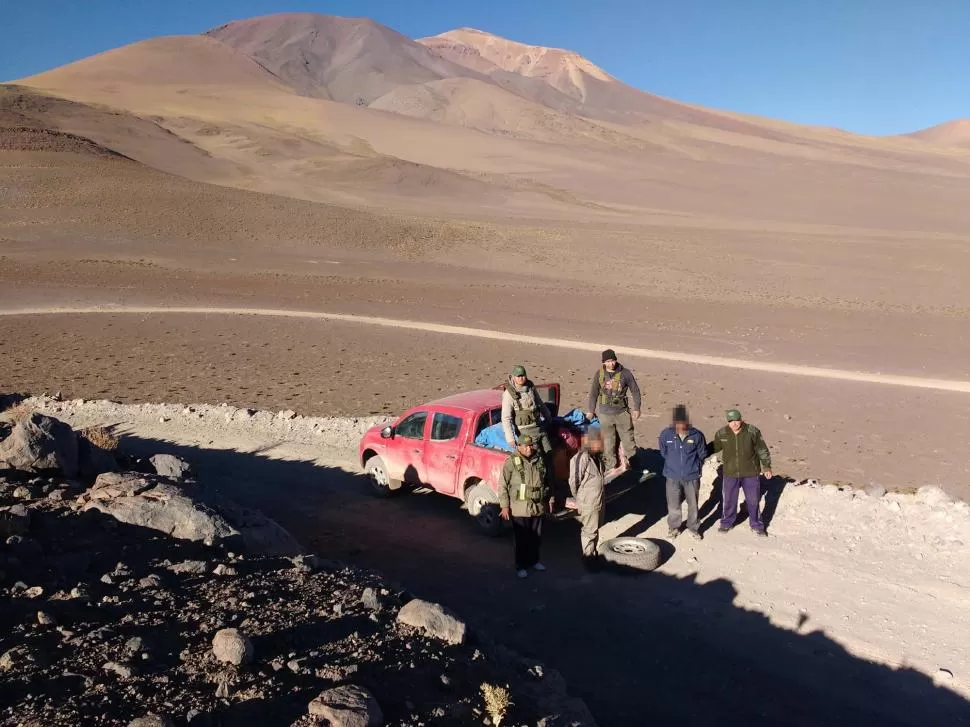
x=445, y=427
x=412, y=427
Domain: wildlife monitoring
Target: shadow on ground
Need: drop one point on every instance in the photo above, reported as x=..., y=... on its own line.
x=638, y=650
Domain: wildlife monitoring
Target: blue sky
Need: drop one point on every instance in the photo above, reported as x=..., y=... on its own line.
x=870, y=66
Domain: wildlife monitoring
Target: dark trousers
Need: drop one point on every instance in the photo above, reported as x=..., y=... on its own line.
x=729, y=500
x=527, y=532
x=675, y=514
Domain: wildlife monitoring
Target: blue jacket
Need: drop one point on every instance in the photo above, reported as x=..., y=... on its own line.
x=683, y=459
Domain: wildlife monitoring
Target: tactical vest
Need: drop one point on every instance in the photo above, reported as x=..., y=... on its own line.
x=531, y=493
x=524, y=417
x=615, y=395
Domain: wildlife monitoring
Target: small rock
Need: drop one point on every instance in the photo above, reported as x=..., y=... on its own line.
x=80, y=591
x=150, y=581
x=163, y=420
x=45, y=619
x=168, y=465
x=16, y=657
x=23, y=493
x=124, y=671
x=933, y=495
x=232, y=647
x=370, y=600
x=107, y=579
x=875, y=491
x=135, y=644
x=895, y=506
x=830, y=490
x=151, y=720
x=34, y=592
x=787, y=417
x=434, y=620
x=195, y=567
x=56, y=496
x=347, y=706
x=297, y=666
x=286, y=414
x=225, y=570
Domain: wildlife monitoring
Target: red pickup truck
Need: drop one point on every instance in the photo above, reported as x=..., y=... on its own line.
x=434, y=445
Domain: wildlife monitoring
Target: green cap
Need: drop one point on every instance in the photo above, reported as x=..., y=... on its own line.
x=733, y=415
x=518, y=370
x=525, y=440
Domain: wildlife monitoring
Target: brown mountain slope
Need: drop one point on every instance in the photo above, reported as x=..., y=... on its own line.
x=352, y=60
x=952, y=133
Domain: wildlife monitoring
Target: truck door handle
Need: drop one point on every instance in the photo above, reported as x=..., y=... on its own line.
x=416, y=451
x=451, y=456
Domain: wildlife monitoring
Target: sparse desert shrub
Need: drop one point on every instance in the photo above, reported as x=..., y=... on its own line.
x=497, y=702
x=101, y=437
x=18, y=412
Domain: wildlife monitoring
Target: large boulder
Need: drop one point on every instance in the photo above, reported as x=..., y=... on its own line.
x=93, y=460
x=347, y=706
x=39, y=443
x=156, y=503
x=231, y=646
x=260, y=534
x=434, y=620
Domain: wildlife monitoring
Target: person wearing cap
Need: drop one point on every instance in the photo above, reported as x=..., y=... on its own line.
x=684, y=450
x=744, y=457
x=609, y=399
x=523, y=412
x=523, y=496
x=587, y=475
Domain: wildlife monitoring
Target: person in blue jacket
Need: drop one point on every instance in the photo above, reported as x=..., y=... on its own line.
x=684, y=449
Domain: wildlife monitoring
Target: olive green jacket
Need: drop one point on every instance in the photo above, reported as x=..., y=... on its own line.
x=744, y=454
x=524, y=486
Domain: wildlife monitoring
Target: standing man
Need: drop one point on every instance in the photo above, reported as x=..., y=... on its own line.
x=523, y=412
x=745, y=457
x=587, y=474
x=608, y=399
x=684, y=450
x=523, y=495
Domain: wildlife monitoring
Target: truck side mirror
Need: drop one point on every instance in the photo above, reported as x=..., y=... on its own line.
x=387, y=432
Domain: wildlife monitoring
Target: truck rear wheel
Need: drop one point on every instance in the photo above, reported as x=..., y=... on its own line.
x=482, y=504
x=381, y=483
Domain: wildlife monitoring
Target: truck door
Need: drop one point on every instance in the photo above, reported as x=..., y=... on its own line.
x=405, y=452
x=442, y=451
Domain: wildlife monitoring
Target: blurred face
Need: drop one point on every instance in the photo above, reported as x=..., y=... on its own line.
x=595, y=445
x=527, y=449
x=735, y=426
x=610, y=364
x=680, y=427
x=519, y=380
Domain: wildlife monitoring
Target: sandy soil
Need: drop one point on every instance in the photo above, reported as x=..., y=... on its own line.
x=840, y=431
x=812, y=610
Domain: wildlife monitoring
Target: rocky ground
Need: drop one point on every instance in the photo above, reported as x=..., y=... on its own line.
x=113, y=621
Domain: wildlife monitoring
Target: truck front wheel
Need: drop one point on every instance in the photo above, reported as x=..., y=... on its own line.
x=482, y=504
x=381, y=483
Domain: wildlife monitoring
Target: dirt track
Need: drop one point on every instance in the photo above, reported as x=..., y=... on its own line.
x=510, y=337
x=810, y=611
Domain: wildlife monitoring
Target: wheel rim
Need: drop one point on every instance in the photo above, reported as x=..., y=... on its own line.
x=379, y=477
x=485, y=515
x=628, y=548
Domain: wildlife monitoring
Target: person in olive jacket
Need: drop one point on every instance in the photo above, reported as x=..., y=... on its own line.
x=524, y=492
x=744, y=456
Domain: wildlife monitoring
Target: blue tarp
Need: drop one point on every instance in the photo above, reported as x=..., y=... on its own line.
x=493, y=437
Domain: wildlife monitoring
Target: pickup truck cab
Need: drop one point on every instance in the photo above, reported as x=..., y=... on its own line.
x=434, y=445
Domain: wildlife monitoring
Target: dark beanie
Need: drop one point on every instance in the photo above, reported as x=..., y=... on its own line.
x=609, y=355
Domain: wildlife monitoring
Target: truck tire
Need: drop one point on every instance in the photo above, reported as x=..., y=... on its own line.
x=637, y=553
x=381, y=483
x=482, y=504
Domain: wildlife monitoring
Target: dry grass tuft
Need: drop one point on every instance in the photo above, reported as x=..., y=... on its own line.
x=101, y=437
x=19, y=412
x=497, y=702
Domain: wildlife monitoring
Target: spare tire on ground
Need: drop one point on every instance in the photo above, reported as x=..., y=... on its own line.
x=637, y=553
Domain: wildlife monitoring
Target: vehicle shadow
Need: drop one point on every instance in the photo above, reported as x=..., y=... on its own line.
x=637, y=650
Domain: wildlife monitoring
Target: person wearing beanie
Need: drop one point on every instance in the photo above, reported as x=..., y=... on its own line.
x=524, y=412
x=610, y=394
x=744, y=457
x=684, y=450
